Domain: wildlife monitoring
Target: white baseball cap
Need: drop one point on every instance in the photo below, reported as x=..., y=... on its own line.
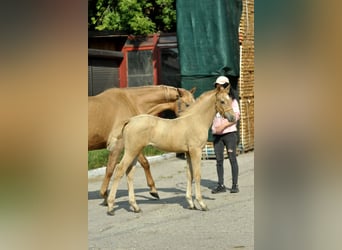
x=221, y=80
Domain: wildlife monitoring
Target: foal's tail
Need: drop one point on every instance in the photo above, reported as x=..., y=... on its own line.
x=115, y=135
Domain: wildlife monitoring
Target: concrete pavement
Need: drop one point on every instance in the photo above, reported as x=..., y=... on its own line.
x=167, y=223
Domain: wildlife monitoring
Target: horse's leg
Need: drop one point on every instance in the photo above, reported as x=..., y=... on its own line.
x=118, y=174
x=150, y=182
x=130, y=173
x=195, y=155
x=112, y=159
x=190, y=177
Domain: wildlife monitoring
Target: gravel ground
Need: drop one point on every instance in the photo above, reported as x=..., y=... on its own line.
x=167, y=223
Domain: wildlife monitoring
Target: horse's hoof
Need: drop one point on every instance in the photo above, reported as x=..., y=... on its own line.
x=205, y=209
x=192, y=208
x=104, y=195
x=155, y=195
x=104, y=203
x=111, y=213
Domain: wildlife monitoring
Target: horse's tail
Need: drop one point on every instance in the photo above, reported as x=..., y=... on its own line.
x=115, y=135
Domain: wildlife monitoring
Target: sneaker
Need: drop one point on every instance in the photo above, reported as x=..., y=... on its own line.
x=220, y=188
x=234, y=189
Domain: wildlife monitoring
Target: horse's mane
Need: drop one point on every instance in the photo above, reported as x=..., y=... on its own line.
x=139, y=88
x=204, y=95
x=152, y=86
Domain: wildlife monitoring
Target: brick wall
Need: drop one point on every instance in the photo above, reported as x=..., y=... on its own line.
x=246, y=81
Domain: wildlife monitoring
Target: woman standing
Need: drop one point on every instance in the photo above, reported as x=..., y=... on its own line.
x=225, y=136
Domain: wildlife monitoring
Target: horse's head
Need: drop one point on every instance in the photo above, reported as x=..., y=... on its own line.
x=224, y=103
x=185, y=99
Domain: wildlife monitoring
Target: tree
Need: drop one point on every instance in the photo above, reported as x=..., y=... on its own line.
x=137, y=17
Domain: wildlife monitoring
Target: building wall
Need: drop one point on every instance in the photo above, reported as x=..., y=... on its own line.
x=104, y=71
x=246, y=82
x=167, y=72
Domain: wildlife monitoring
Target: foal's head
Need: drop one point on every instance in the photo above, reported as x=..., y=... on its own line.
x=224, y=103
x=185, y=99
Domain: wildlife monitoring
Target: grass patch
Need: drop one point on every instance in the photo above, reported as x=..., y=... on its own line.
x=151, y=151
x=99, y=158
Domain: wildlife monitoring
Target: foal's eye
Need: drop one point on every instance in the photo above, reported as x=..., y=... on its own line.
x=222, y=102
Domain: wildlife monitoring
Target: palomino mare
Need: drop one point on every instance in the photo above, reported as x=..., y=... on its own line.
x=113, y=106
x=187, y=133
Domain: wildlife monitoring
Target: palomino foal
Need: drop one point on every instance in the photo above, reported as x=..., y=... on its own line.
x=187, y=133
x=113, y=106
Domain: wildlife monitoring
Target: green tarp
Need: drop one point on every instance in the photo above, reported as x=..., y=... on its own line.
x=208, y=41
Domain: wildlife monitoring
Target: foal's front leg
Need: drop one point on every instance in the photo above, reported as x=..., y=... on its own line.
x=190, y=177
x=196, y=168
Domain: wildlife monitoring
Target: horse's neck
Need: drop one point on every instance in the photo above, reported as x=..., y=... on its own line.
x=150, y=97
x=203, y=112
x=155, y=110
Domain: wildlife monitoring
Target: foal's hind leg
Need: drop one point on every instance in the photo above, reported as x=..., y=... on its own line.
x=150, y=182
x=118, y=173
x=130, y=174
x=112, y=159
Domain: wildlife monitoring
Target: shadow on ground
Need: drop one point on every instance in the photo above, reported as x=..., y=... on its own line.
x=177, y=198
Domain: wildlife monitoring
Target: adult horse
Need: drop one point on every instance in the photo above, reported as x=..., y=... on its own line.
x=187, y=133
x=108, y=109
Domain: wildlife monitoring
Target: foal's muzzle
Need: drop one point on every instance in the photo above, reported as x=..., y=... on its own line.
x=230, y=117
x=229, y=114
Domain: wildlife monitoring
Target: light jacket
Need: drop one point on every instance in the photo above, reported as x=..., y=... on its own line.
x=218, y=119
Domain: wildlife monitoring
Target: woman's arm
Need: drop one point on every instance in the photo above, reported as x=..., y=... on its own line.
x=225, y=123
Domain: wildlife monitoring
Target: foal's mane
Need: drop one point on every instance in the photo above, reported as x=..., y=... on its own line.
x=194, y=105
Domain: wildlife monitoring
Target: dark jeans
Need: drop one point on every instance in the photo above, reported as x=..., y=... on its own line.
x=229, y=142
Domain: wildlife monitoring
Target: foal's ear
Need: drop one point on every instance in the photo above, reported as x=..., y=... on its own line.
x=220, y=88
x=227, y=88
x=181, y=91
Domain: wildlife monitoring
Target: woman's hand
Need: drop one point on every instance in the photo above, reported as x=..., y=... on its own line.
x=220, y=128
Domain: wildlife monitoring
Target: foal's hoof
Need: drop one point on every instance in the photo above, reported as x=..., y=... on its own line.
x=192, y=208
x=111, y=213
x=136, y=209
x=205, y=209
x=155, y=195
